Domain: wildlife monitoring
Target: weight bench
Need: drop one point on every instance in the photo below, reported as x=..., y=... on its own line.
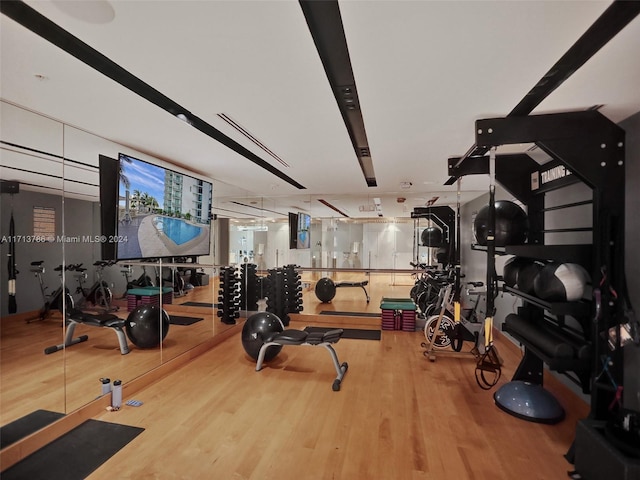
x=356, y=284
x=76, y=317
x=314, y=339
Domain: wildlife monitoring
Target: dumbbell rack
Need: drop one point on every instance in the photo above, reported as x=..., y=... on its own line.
x=284, y=292
x=249, y=291
x=229, y=296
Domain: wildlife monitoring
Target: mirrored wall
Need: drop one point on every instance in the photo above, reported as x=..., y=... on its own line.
x=66, y=331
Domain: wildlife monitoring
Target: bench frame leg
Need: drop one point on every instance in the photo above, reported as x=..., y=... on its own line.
x=69, y=340
x=341, y=369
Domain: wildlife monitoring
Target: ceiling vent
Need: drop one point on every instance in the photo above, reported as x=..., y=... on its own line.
x=251, y=137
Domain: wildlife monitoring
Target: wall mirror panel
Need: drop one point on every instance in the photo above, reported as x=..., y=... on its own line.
x=30, y=223
x=57, y=168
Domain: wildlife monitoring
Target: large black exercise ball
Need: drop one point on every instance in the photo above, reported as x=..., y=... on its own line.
x=527, y=275
x=561, y=282
x=147, y=326
x=259, y=329
x=511, y=224
x=512, y=268
x=325, y=290
x=432, y=237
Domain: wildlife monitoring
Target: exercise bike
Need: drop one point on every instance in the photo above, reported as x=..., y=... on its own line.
x=60, y=299
x=143, y=280
x=99, y=294
x=170, y=277
x=442, y=331
x=427, y=290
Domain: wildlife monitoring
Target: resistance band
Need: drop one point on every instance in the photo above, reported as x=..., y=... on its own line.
x=11, y=264
x=489, y=361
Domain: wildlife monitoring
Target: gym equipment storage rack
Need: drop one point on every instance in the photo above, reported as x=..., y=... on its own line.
x=585, y=147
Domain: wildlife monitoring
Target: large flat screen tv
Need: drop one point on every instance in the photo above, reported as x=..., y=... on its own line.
x=161, y=213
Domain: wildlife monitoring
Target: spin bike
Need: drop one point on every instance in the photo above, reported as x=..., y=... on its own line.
x=99, y=294
x=441, y=330
x=427, y=290
x=443, y=333
x=143, y=280
x=59, y=299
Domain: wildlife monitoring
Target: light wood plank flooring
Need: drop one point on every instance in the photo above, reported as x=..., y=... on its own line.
x=398, y=416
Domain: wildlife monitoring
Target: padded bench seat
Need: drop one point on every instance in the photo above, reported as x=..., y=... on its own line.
x=311, y=338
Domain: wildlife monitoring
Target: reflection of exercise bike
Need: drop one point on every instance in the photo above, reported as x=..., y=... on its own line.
x=99, y=294
x=59, y=299
x=170, y=276
x=143, y=280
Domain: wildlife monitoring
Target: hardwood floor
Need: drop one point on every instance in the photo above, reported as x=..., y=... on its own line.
x=397, y=416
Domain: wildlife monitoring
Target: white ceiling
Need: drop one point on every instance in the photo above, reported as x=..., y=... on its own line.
x=424, y=70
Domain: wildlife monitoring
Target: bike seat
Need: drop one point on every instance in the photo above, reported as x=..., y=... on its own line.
x=37, y=263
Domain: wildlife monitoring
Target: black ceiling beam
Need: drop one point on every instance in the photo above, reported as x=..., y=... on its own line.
x=617, y=16
x=325, y=24
x=45, y=28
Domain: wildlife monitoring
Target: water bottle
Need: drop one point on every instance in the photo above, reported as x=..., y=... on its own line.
x=116, y=394
x=106, y=385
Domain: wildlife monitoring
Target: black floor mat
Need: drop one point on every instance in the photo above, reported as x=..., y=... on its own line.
x=20, y=428
x=178, y=320
x=350, y=314
x=354, y=333
x=76, y=454
x=198, y=304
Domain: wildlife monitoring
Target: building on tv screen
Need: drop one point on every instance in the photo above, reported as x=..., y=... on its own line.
x=161, y=213
x=304, y=225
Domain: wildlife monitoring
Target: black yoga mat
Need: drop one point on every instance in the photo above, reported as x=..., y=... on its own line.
x=75, y=455
x=178, y=320
x=350, y=314
x=354, y=333
x=198, y=304
x=20, y=428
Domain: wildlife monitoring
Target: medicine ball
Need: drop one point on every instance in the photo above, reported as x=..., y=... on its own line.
x=511, y=224
x=561, y=282
x=431, y=237
x=527, y=275
x=512, y=268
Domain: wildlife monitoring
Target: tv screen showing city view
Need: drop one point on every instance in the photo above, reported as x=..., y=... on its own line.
x=161, y=213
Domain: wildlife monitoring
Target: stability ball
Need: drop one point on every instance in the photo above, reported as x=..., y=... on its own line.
x=260, y=328
x=561, y=282
x=431, y=237
x=511, y=224
x=325, y=290
x=147, y=326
